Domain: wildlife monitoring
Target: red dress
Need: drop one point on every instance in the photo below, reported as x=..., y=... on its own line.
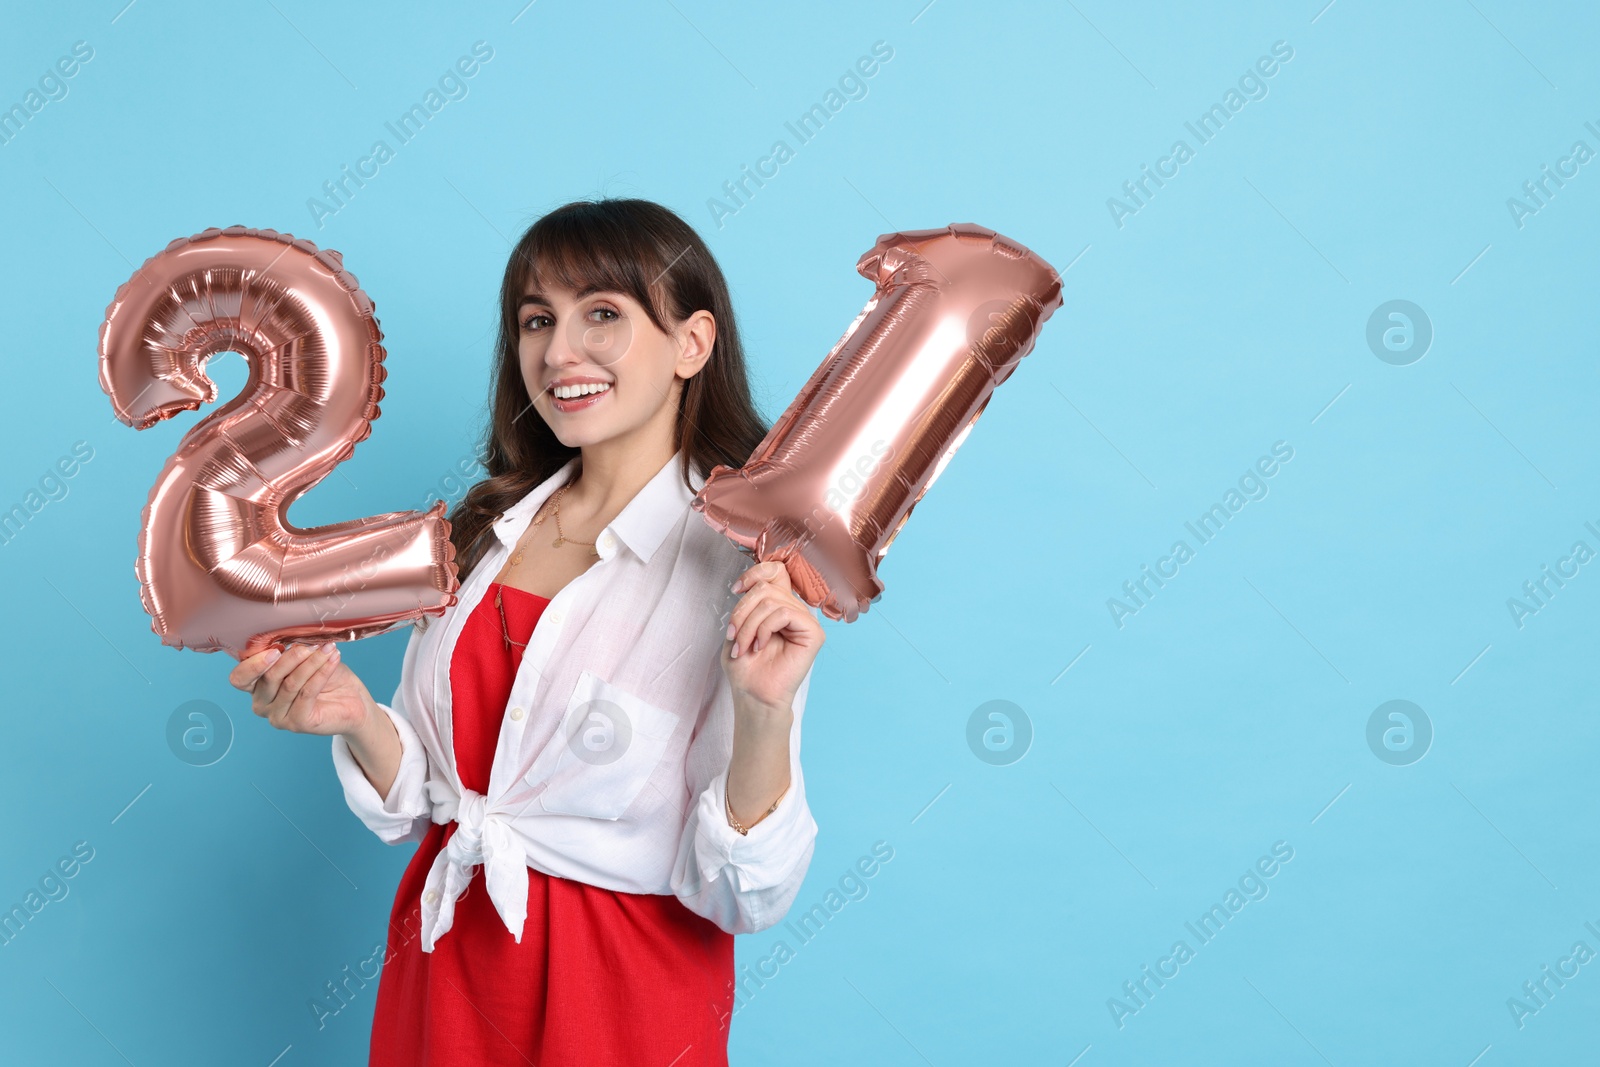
x=601, y=978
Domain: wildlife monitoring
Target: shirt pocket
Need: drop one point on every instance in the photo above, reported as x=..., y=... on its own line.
x=611, y=742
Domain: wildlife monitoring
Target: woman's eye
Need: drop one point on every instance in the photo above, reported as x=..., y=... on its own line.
x=606, y=314
x=536, y=322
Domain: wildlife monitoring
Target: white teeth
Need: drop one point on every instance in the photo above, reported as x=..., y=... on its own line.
x=572, y=392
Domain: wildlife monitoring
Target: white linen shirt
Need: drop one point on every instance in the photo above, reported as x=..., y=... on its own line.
x=614, y=748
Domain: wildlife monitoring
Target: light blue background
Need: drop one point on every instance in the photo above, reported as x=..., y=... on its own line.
x=1227, y=314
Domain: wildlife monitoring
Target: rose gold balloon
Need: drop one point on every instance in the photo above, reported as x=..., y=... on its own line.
x=832, y=484
x=219, y=564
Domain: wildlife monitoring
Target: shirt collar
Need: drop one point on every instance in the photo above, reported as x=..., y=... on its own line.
x=641, y=525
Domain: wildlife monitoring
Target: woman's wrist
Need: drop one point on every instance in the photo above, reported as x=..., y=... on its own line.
x=758, y=772
x=742, y=825
x=372, y=726
x=375, y=744
x=759, y=715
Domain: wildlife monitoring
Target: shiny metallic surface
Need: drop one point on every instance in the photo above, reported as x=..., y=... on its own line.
x=834, y=481
x=219, y=565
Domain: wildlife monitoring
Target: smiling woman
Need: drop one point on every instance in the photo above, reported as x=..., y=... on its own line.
x=597, y=746
x=600, y=330
x=590, y=293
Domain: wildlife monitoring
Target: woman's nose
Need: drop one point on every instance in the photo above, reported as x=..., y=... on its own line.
x=561, y=351
x=602, y=344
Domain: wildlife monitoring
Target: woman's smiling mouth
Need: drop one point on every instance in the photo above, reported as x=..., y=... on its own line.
x=578, y=395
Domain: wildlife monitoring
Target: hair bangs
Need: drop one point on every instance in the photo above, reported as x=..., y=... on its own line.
x=648, y=253
x=580, y=251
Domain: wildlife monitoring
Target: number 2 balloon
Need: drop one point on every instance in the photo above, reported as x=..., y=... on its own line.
x=832, y=484
x=219, y=565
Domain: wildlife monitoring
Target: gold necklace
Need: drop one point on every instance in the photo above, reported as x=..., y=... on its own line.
x=504, y=629
x=561, y=538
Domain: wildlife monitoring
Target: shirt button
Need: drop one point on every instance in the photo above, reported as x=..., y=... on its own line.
x=516, y=713
x=554, y=617
x=431, y=896
x=607, y=541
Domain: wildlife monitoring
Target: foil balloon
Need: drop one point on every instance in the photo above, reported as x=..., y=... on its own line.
x=220, y=566
x=835, y=479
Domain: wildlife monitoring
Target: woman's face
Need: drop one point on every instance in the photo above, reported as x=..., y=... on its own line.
x=597, y=368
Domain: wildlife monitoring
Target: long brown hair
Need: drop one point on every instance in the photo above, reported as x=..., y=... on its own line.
x=647, y=252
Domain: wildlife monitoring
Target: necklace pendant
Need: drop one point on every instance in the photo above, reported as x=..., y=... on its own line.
x=559, y=541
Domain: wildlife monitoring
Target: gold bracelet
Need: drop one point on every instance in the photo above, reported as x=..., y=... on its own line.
x=733, y=820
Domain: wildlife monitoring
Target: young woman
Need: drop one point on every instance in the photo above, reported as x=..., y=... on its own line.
x=598, y=745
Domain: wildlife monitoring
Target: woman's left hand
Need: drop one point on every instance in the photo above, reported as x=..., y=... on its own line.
x=775, y=637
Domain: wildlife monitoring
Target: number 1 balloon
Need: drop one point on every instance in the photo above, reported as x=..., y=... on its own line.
x=832, y=484
x=220, y=566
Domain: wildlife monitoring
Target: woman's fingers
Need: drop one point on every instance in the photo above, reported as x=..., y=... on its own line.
x=283, y=683
x=763, y=593
x=312, y=663
x=304, y=706
x=775, y=620
x=294, y=696
x=772, y=570
x=767, y=590
x=272, y=679
x=248, y=670
x=768, y=617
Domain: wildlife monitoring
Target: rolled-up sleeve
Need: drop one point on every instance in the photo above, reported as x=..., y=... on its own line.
x=743, y=883
x=403, y=815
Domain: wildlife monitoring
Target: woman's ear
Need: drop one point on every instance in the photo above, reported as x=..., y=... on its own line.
x=696, y=336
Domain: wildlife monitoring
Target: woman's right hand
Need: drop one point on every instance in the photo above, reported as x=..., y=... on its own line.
x=305, y=689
